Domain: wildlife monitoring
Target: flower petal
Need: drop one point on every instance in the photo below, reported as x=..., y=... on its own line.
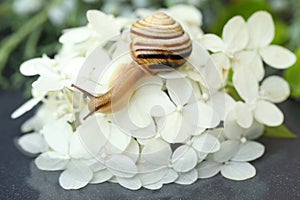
x=76, y=176
x=51, y=161
x=30, y=67
x=231, y=128
x=206, y=143
x=261, y=29
x=201, y=114
x=268, y=113
x=75, y=35
x=275, y=89
x=208, y=169
x=132, y=150
x=95, y=164
x=222, y=103
x=250, y=60
x=180, y=91
x=246, y=84
x=77, y=148
x=198, y=57
x=48, y=83
x=235, y=34
x=121, y=166
x=144, y=133
x=157, y=152
x=101, y=176
x=57, y=134
x=249, y=151
x=88, y=77
x=154, y=186
x=212, y=42
x=169, y=177
x=254, y=131
x=243, y=114
x=220, y=60
x=187, y=178
x=27, y=106
x=149, y=101
x=104, y=24
x=33, y=143
x=227, y=151
x=174, y=129
x=238, y=171
x=212, y=77
x=192, y=15
x=122, y=45
x=118, y=141
x=277, y=56
x=133, y=183
x=171, y=75
x=153, y=176
x=184, y=158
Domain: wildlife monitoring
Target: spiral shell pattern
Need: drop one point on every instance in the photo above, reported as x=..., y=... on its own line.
x=159, y=42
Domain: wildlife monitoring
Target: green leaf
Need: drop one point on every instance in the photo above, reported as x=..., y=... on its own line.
x=11, y=42
x=278, y=132
x=243, y=8
x=281, y=32
x=292, y=75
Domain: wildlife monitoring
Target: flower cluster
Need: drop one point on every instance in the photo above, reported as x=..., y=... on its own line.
x=178, y=126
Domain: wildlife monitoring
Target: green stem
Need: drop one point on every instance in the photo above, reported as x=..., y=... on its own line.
x=31, y=43
x=12, y=41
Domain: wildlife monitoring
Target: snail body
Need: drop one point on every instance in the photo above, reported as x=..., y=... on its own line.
x=158, y=44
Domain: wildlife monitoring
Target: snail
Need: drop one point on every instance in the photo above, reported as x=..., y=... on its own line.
x=158, y=44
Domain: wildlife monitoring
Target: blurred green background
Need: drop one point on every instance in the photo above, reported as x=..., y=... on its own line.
x=31, y=28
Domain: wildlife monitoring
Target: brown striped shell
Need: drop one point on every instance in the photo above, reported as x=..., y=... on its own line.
x=158, y=42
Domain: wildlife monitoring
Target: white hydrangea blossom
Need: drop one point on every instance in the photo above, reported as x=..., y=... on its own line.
x=178, y=127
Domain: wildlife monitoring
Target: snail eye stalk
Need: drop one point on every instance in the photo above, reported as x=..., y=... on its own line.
x=83, y=91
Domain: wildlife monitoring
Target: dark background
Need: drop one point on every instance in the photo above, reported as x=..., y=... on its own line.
x=278, y=171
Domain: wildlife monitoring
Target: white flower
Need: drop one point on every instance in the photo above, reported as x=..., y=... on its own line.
x=187, y=114
x=166, y=175
x=258, y=102
x=244, y=46
x=229, y=52
x=83, y=40
x=66, y=152
x=185, y=157
x=27, y=106
x=234, y=153
x=33, y=143
x=261, y=33
x=147, y=102
x=248, y=67
x=231, y=160
x=54, y=74
x=235, y=38
x=274, y=89
x=105, y=25
x=187, y=178
x=59, y=12
x=24, y=7
x=170, y=130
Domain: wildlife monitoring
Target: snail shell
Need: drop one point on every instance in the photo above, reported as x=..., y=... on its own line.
x=158, y=42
